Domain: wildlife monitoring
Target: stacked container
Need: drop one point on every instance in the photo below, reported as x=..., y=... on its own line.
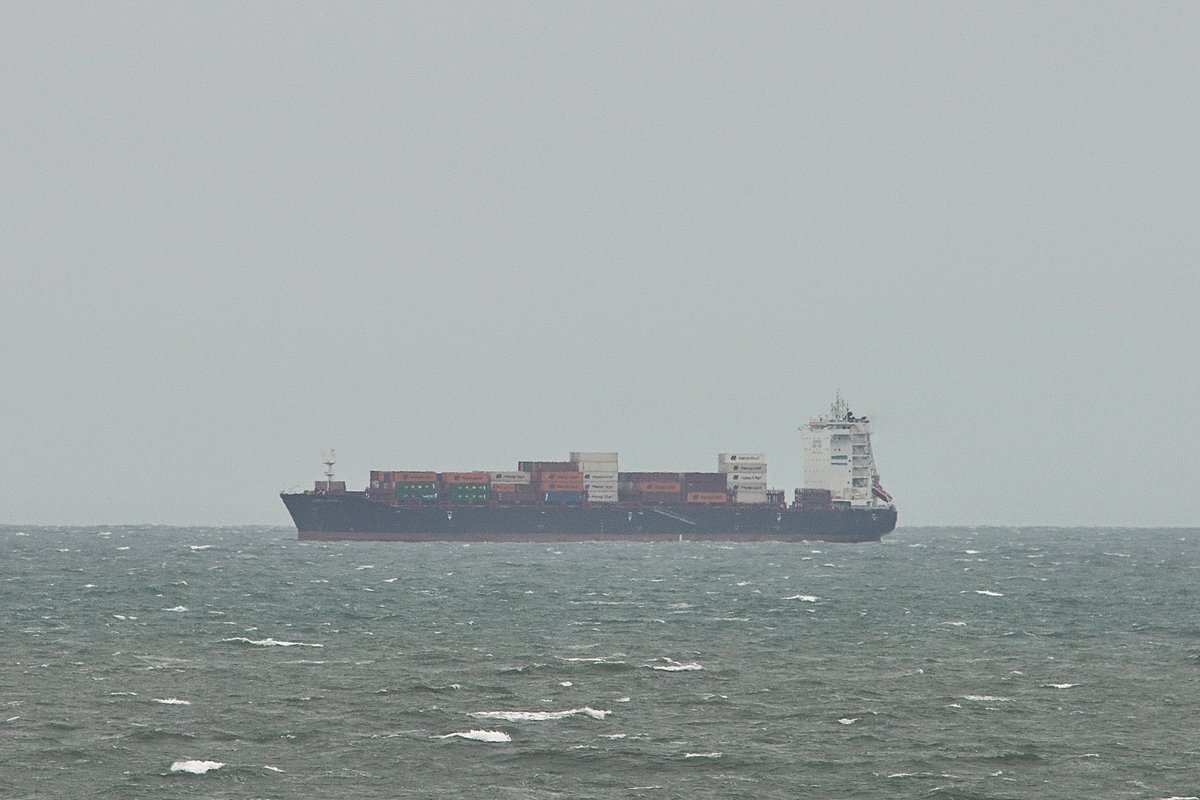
x=600, y=475
x=745, y=476
x=421, y=491
x=708, y=488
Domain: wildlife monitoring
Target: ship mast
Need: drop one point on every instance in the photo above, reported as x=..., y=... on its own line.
x=329, y=461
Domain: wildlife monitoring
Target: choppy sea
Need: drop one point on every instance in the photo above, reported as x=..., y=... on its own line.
x=946, y=663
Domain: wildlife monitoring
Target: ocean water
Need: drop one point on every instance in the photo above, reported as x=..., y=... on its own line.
x=946, y=663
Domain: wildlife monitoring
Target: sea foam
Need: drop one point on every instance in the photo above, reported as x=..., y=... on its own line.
x=196, y=767
x=268, y=642
x=540, y=716
x=479, y=736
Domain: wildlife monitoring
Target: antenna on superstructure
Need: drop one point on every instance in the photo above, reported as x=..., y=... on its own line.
x=840, y=411
x=329, y=460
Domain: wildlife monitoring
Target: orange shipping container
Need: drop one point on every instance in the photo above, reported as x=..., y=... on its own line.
x=504, y=488
x=413, y=477
x=562, y=477
x=657, y=486
x=451, y=478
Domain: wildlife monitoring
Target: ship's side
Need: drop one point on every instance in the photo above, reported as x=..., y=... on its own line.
x=353, y=516
x=590, y=498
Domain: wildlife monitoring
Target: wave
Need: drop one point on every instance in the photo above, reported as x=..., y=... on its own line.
x=196, y=767
x=987, y=698
x=987, y=593
x=478, y=736
x=172, y=701
x=714, y=754
x=675, y=666
x=1059, y=685
x=540, y=716
x=268, y=642
x=177, y=608
x=804, y=598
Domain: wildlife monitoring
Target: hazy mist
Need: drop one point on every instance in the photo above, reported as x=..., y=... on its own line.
x=452, y=236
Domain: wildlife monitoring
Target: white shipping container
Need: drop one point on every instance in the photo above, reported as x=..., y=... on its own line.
x=758, y=485
x=599, y=474
x=597, y=466
x=606, y=497
x=744, y=469
x=601, y=458
x=752, y=497
x=611, y=483
x=510, y=477
x=742, y=458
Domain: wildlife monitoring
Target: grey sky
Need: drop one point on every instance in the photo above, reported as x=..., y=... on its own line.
x=451, y=236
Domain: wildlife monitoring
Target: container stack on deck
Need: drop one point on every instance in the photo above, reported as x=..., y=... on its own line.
x=745, y=475
x=590, y=477
x=600, y=474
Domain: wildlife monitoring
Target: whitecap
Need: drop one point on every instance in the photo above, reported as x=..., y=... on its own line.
x=172, y=701
x=479, y=736
x=1059, y=685
x=200, y=546
x=612, y=736
x=989, y=594
x=389, y=580
x=273, y=769
x=971, y=552
x=196, y=767
x=565, y=683
x=365, y=566
x=714, y=754
x=540, y=716
x=268, y=642
x=955, y=624
x=177, y=608
x=804, y=598
x=849, y=720
x=675, y=667
x=986, y=698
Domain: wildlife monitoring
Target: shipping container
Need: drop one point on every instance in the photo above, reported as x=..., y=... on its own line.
x=576, y=477
x=634, y=477
x=749, y=486
x=744, y=469
x=707, y=497
x=602, y=458
x=814, y=499
x=657, y=497
x=450, y=478
x=657, y=486
x=744, y=458
x=599, y=475
x=412, y=477
x=511, y=477
x=536, y=467
x=564, y=497
x=595, y=466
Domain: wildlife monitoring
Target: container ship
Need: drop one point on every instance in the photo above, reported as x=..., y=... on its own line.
x=588, y=497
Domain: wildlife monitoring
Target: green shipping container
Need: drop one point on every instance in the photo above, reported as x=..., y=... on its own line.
x=424, y=492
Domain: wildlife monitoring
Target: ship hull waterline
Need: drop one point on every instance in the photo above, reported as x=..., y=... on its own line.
x=351, y=517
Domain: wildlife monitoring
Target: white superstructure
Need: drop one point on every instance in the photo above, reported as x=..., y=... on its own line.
x=838, y=457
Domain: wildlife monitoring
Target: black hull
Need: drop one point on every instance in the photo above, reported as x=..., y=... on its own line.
x=353, y=517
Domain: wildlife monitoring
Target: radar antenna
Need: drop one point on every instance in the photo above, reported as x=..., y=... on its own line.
x=329, y=460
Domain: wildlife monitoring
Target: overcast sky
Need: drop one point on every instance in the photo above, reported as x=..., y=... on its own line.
x=455, y=235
